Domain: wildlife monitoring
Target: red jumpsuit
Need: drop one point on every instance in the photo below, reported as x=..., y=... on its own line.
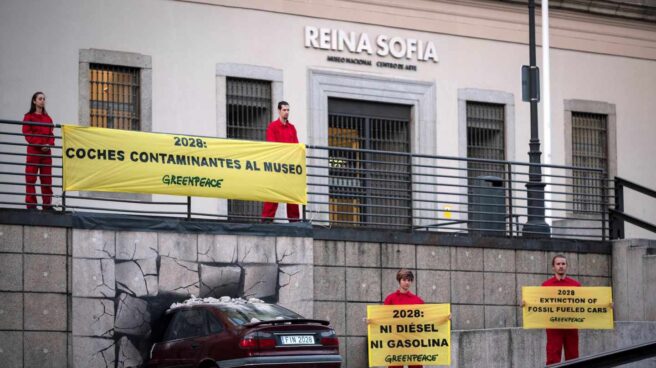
x=282, y=133
x=559, y=338
x=399, y=298
x=38, y=163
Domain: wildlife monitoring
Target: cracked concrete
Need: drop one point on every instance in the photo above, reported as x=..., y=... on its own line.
x=94, y=243
x=131, y=245
x=219, y=281
x=128, y=355
x=217, y=248
x=94, y=352
x=93, y=317
x=178, y=277
x=260, y=281
x=138, y=278
x=93, y=278
x=132, y=316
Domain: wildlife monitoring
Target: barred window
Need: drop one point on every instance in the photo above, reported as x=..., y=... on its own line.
x=115, y=97
x=372, y=189
x=248, y=114
x=485, y=140
x=590, y=150
x=485, y=137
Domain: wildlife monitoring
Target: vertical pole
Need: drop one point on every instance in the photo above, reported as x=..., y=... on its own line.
x=535, y=226
x=546, y=104
x=188, y=208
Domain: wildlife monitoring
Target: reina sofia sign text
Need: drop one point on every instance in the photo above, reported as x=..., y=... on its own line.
x=397, y=47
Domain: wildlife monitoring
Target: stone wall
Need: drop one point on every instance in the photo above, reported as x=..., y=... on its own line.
x=483, y=285
x=89, y=298
x=34, y=312
x=124, y=281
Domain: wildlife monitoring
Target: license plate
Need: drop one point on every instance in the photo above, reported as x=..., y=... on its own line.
x=297, y=340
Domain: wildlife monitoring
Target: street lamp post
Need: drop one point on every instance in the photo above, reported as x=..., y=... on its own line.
x=536, y=225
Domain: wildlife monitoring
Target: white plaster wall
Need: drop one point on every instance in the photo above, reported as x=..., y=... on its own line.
x=40, y=42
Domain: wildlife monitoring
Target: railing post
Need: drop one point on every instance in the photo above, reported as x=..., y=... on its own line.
x=63, y=201
x=604, y=204
x=510, y=200
x=617, y=223
x=188, y=208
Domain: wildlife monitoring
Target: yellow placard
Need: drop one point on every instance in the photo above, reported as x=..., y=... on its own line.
x=567, y=307
x=409, y=334
x=112, y=160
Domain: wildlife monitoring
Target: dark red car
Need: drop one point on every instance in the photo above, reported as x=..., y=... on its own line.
x=243, y=334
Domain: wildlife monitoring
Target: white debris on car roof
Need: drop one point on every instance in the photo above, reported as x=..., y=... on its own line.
x=222, y=300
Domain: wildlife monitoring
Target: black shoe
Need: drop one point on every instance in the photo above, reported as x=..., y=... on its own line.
x=49, y=209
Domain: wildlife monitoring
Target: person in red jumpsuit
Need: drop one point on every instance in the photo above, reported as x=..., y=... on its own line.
x=559, y=338
x=282, y=131
x=404, y=296
x=39, y=162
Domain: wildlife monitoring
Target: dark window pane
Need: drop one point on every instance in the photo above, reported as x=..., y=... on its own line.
x=186, y=324
x=367, y=188
x=485, y=140
x=214, y=326
x=115, y=97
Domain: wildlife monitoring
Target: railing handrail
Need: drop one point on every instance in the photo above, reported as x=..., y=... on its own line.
x=612, y=358
x=617, y=216
x=635, y=186
x=454, y=158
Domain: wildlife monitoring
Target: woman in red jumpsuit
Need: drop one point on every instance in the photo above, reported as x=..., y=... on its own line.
x=39, y=162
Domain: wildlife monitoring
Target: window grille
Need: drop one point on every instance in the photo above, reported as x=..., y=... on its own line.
x=485, y=140
x=248, y=115
x=369, y=188
x=115, y=97
x=590, y=150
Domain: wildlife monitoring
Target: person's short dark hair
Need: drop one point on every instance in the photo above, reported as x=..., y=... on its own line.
x=405, y=274
x=282, y=103
x=553, y=260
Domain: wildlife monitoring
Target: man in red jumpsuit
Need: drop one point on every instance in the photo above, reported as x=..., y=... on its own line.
x=559, y=338
x=282, y=131
x=39, y=162
x=404, y=296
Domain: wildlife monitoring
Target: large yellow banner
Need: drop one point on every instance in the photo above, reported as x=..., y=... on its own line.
x=567, y=307
x=409, y=334
x=111, y=160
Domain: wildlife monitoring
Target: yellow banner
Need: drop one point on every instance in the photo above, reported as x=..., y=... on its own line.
x=409, y=334
x=567, y=307
x=112, y=160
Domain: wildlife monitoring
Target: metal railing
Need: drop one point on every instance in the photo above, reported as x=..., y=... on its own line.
x=613, y=358
x=365, y=189
x=617, y=214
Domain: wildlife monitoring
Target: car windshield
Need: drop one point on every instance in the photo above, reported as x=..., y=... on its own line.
x=241, y=314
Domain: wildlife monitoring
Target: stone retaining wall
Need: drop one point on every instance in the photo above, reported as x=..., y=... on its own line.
x=88, y=298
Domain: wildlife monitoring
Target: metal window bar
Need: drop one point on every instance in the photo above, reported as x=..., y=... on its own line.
x=115, y=97
x=248, y=108
x=485, y=140
x=369, y=188
x=589, y=149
